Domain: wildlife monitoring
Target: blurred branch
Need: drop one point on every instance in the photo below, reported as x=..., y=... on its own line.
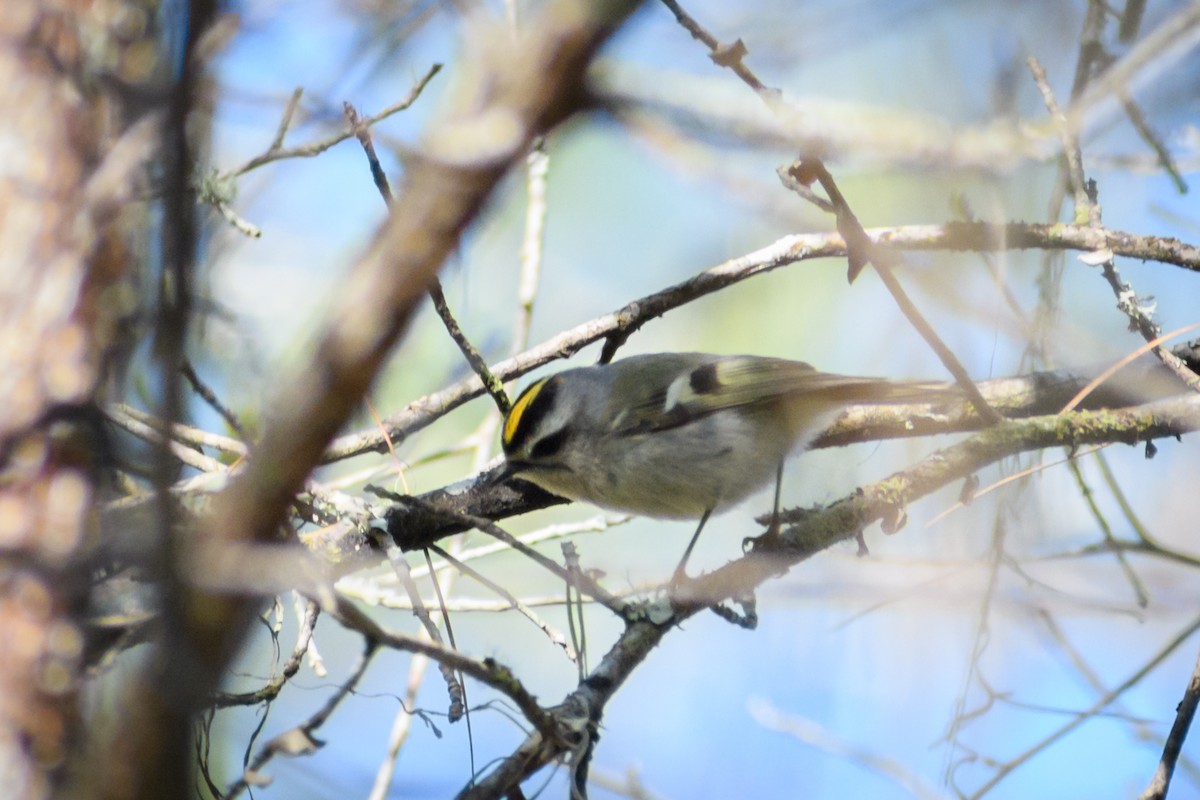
x=980, y=641
x=841, y=130
x=1162, y=154
x=537, y=168
x=1157, y=51
x=124, y=415
x=811, y=734
x=1090, y=56
x=152, y=432
x=1007, y=768
x=1089, y=497
x=1131, y=20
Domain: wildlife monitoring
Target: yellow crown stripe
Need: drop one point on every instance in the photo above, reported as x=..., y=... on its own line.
x=513, y=421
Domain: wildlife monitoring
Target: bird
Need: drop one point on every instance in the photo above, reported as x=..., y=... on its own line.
x=680, y=435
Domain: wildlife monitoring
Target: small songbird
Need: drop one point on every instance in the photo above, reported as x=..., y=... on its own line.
x=680, y=435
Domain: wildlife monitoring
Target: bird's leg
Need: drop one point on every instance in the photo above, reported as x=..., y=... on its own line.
x=773, y=530
x=680, y=571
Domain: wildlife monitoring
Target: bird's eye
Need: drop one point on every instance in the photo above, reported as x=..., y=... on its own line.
x=549, y=446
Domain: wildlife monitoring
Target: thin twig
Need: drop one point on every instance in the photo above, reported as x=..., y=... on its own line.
x=488, y=672
x=494, y=387
x=979, y=643
x=369, y=590
x=1140, y=312
x=489, y=527
x=1085, y=210
x=1157, y=790
x=299, y=740
x=462, y=605
x=860, y=249
x=460, y=706
x=513, y=602
x=209, y=396
x=402, y=724
x=320, y=146
x=1118, y=494
x=285, y=122
x=453, y=685
x=275, y=685
x=574, y=601
x=1149, y=548
x=1089, y=498
x=1129, y=358
x=728, y=55
x=362, y=131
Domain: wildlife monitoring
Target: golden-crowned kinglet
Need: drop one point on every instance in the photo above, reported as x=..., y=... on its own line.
x=679, y=434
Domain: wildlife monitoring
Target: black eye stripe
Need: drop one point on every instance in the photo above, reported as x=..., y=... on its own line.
x=530, y=414
x=549, y=445
x=704, y=380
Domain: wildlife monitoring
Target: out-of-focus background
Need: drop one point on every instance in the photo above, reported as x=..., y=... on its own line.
x=920, y=670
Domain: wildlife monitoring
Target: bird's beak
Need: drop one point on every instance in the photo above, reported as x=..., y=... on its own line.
x=506, y=471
